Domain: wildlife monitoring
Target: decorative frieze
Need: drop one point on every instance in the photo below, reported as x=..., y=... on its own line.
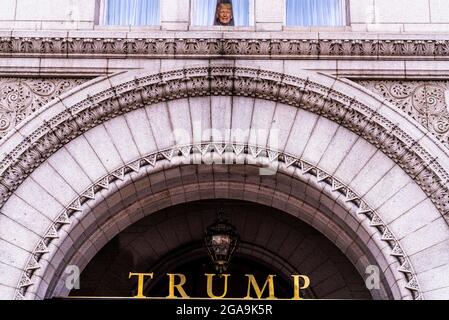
x=244, y=47
x=21, y=97
x=409, y=154
x=425, y=101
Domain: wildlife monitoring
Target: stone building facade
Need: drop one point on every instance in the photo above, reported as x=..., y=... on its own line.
x=329, y=146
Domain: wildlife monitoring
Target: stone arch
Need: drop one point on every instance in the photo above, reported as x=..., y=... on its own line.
x=341, y=129
x=269, y=237
x=172, y=192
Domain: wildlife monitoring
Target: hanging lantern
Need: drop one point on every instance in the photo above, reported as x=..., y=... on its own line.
x=221, y=240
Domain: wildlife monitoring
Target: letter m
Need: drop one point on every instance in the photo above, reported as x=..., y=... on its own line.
x=252, y=283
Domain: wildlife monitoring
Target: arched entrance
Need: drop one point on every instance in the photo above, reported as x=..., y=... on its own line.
x=323, y=150
x=171, y=241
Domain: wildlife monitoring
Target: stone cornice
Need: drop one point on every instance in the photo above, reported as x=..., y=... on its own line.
x=279, y=45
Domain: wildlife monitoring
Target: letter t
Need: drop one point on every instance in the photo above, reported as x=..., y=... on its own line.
x=140, y=279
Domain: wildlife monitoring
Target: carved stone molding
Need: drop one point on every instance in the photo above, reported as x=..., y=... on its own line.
x=21, y=97
x=425, y=101
x=410, y=155
x=244, y=47
x=354, y=203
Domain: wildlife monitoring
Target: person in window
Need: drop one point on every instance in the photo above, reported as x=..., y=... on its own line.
x=223, y=13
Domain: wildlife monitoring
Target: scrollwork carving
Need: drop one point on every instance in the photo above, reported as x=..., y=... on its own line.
x=21, y=97
x=425, y=101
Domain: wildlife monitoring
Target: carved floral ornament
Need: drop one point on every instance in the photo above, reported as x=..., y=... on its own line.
x=204, y=81
x=353, y=203
x=425, y=101
x=214, y=47
x=21, y=97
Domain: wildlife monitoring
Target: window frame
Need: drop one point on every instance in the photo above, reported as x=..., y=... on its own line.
x=347, y=17
x=100, y=18
x=250, y=26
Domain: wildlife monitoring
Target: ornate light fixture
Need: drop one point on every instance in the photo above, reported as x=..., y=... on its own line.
x=221, y=240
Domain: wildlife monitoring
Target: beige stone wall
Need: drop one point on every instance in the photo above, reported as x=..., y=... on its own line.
x=364, y=15
x=47, y=14
x=400, y=15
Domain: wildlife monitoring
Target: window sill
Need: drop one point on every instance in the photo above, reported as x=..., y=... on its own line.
x=221, y=28
x=287, y=29
x=316, y=29
x=126, y=28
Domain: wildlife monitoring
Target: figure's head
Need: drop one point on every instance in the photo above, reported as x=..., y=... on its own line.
x=224, y=13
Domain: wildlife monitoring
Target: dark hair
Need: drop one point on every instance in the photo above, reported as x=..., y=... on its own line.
x=217, y=21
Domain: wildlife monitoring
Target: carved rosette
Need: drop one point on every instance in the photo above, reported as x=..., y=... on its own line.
x=21, y=97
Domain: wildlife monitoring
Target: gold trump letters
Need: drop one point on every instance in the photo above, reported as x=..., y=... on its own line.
x=176, y=281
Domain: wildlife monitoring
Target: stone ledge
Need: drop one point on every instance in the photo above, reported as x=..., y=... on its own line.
x=314, y=45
